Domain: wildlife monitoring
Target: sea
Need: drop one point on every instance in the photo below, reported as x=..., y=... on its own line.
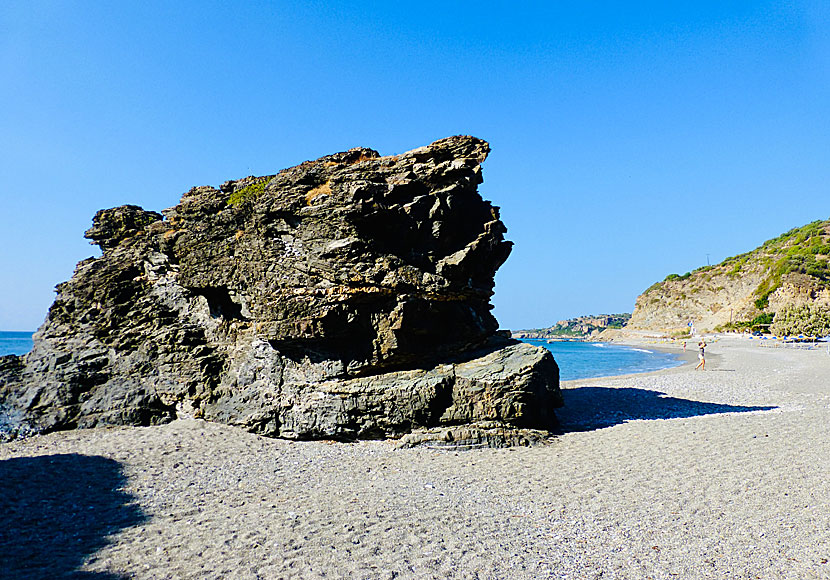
x=587, y=360
x=576, y=360
x=15, y=342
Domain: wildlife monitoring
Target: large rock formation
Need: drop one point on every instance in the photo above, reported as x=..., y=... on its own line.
x=346, y=297
x=745, y=291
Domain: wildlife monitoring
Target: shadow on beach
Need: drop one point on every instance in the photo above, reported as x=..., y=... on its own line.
x=57, y=510
x=590, y=408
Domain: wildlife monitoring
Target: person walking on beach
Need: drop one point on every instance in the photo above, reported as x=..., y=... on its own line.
x=701, y=354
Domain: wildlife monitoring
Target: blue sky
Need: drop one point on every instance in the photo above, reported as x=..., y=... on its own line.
x=629, y=140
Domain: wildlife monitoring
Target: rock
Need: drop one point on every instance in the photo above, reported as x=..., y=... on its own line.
x=474, y=436
x=346, y=297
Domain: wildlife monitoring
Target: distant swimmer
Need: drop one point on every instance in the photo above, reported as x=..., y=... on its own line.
x=701, y=354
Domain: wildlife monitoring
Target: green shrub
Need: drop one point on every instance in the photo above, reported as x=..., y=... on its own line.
x=758, y=324
x=765, y=288
x=807, y=319
x=250, y=191
x=764, y=319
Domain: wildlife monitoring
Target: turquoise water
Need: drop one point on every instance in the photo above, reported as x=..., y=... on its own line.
x=585, y=360
x=15, y=342
x=576, y=360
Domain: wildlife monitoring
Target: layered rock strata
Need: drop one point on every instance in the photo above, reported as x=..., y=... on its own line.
x=347, y=297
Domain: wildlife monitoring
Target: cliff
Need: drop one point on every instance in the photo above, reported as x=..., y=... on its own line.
x=345, y=297
x=786, y=275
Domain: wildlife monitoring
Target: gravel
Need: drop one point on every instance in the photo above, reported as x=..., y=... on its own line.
x=686, y=474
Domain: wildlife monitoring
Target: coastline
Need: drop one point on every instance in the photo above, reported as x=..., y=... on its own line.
x=577, y=360
x=674, y=473
x=688, y=357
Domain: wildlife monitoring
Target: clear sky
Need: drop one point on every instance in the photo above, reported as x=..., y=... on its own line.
x=629, y=140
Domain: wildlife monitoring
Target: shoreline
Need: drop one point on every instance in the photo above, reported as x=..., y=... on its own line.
x=680, y=360
x=672, y=473
x=687, y=358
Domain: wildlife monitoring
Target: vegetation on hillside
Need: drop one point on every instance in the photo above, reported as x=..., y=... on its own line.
x=807, y=319
x=804, y=250
x=580, y=327
x=760, y=323
x=250, y=191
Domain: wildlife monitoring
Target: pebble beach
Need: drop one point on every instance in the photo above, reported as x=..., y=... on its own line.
x=722, y=473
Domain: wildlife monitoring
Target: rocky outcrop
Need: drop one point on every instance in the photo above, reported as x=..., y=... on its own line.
x=789, y=271
x=346, y=297
x=706, y=301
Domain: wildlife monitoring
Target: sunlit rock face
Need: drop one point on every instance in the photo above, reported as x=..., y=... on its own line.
x=345, y=297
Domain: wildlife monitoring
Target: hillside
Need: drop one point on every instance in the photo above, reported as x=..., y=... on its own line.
x=781, y=282
x=579, y=327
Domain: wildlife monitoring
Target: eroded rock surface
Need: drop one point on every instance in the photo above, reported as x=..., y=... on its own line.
x=346, y=297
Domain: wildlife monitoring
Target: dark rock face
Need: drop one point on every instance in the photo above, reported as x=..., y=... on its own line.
x=345, y=297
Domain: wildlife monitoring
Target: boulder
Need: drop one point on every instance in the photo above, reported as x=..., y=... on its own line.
x=347, y=297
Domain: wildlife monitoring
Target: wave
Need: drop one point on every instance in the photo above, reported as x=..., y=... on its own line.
x=578, y=360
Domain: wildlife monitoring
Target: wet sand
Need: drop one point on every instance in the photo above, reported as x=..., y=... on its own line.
x=686, y=474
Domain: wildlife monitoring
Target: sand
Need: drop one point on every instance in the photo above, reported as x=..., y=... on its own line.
x=722, y=473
